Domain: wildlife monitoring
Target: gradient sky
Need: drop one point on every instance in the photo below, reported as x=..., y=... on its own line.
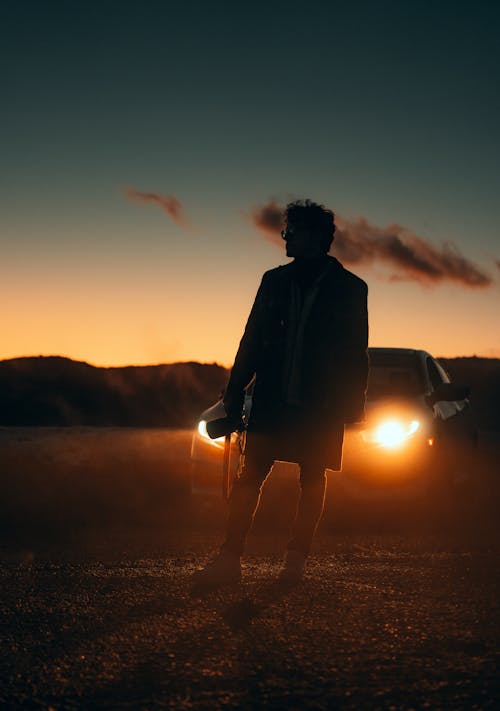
x=140, y=142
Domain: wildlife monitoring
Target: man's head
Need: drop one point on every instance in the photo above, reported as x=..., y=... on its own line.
x=309, y=229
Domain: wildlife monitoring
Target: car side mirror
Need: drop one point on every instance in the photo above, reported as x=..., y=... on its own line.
x=447, y=392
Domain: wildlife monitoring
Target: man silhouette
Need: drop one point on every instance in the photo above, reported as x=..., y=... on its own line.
x=305, y=343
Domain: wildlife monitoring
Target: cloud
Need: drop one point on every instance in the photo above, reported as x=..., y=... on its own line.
x=168, y=203
x=269, y=220
x=415, y=258
x=359, y=242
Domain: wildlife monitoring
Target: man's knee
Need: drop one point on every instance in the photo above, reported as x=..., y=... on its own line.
x=312, y=476
x=252, y=475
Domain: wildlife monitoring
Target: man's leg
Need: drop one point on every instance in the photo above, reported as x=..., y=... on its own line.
x=243, y=502
x=309, y=511
x=310, y=507
x=245, y=495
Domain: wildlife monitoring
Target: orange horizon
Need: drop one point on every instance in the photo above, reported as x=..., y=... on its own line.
x=145, y=319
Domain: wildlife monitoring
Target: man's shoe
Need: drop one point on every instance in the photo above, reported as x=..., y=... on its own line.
x=224, y=569
x=293, y=568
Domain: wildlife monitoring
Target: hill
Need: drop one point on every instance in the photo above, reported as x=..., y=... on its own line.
x=55, y=391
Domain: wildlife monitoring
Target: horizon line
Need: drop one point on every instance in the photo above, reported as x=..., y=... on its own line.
x=197, y=362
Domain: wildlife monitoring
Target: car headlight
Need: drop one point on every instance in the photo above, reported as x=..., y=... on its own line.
x=202, y=428
x=391, y=433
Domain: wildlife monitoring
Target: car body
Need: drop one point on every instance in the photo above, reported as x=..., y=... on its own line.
x=418, y=435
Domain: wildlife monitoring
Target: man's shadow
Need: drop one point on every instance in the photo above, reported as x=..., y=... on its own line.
x=244, y=605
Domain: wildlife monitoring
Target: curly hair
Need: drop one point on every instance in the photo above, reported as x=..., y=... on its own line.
x=316, y=218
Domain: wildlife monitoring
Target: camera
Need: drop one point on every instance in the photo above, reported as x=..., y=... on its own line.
x=223, y=426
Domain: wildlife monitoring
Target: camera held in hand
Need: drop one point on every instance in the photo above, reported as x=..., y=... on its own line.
x=224, y=426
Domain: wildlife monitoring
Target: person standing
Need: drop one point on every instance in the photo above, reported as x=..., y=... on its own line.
x=305, y=343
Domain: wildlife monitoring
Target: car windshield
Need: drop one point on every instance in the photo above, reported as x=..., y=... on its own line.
x=394, y=375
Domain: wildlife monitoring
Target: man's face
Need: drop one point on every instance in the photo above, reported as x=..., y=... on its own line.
x=300, y=242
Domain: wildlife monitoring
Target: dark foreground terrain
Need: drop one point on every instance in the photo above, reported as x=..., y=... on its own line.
x=398, y=610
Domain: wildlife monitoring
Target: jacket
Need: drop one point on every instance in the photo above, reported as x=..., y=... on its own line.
x=333, y=359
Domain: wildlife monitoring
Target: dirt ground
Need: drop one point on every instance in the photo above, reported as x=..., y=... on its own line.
x=395, y=612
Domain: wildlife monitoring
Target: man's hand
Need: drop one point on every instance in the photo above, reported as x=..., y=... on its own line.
x=224, y=426
x=233, y=404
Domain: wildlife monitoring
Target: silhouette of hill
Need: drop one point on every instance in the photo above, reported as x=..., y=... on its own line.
x=55, y=391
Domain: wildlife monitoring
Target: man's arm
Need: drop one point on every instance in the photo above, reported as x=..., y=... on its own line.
x=246, y=359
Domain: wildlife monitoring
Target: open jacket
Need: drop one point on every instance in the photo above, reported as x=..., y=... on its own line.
x=333, y=364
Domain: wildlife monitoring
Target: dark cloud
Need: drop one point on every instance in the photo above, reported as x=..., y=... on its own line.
x=269, y=220
x=359, y=242
x=415, y=258
x=168, y=203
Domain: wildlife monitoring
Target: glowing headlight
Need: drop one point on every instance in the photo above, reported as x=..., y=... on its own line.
x=202, y=428
x=391, y=433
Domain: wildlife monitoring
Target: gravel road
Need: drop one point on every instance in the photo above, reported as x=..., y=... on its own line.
x=97, y=611
x=388, y=617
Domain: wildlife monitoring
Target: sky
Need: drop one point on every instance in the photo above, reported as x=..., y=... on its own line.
x=148, y=148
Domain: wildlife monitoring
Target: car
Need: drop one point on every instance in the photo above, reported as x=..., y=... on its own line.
x=418, y=436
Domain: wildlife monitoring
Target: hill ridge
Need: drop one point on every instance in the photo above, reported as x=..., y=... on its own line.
x=59, y=391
